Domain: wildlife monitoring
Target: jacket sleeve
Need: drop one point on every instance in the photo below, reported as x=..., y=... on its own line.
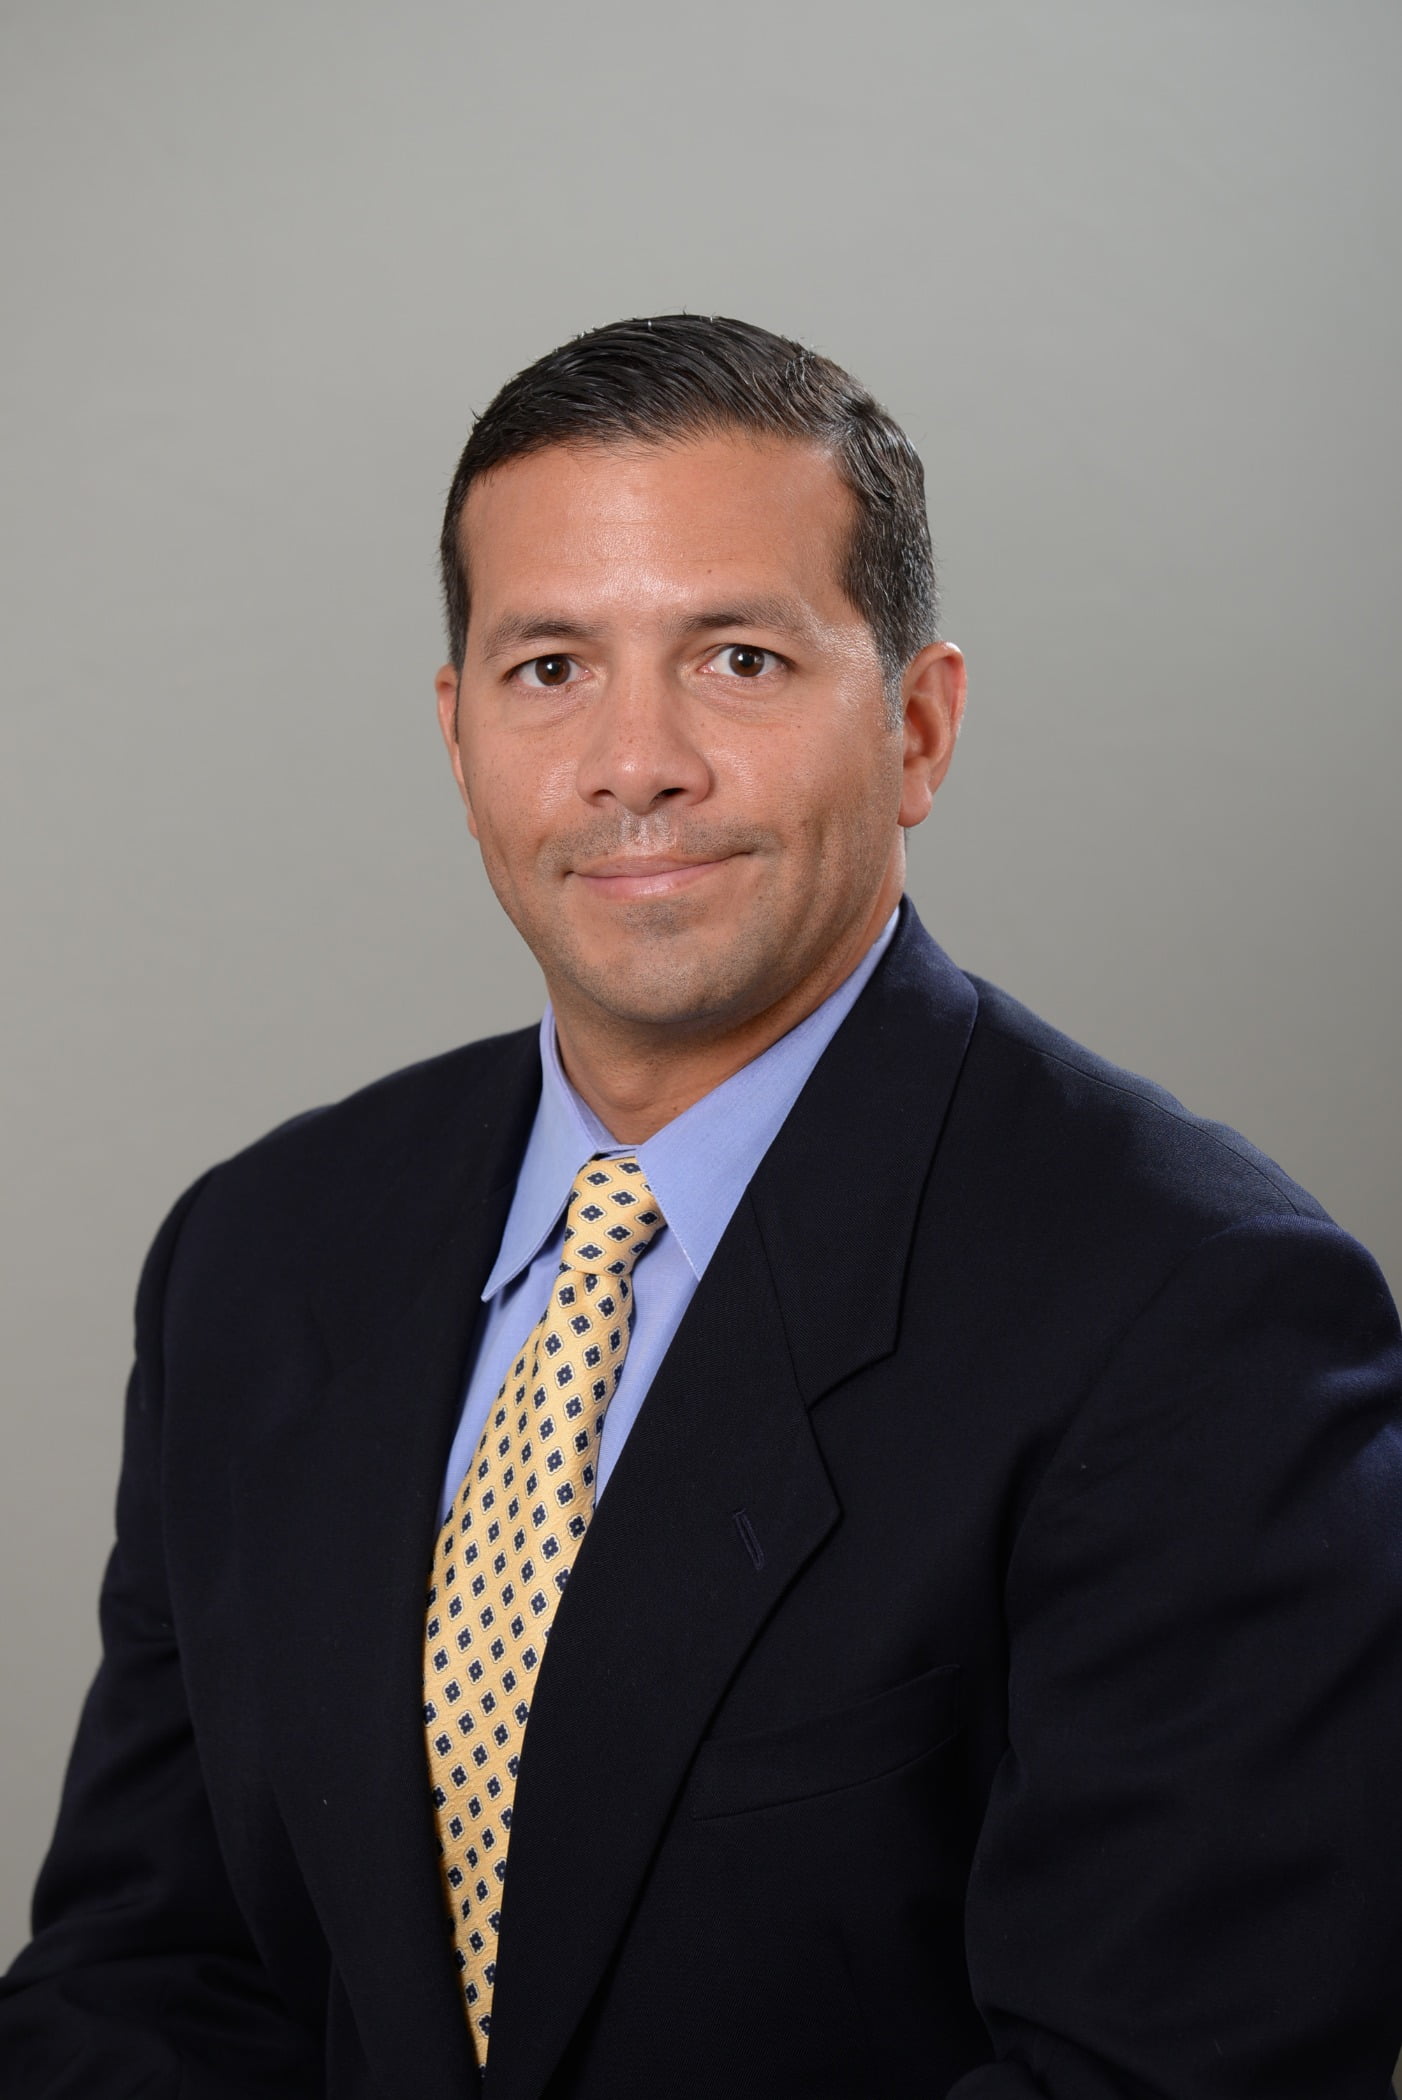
x=141, y=1977
x=1188, y=1885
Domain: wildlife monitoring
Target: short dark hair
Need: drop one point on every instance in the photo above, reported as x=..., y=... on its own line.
x=677, y=376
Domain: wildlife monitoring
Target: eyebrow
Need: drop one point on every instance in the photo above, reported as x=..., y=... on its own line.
x=786, y=615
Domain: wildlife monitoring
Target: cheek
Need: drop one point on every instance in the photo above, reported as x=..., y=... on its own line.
x=832, y=789
x=511, y=796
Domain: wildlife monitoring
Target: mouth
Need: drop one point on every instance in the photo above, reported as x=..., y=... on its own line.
x=632, y=875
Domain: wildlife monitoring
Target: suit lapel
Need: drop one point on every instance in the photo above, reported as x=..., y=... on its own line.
x=667, y=1595
x=837, y=1195
x=338, y=1512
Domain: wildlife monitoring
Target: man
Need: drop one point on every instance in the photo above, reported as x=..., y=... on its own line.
x=907, y=1513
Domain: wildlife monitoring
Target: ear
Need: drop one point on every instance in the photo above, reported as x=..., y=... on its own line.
x=447, y=685
x=933, y=691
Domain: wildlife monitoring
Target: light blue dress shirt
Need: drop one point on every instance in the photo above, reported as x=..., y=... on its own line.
x=698, y=1167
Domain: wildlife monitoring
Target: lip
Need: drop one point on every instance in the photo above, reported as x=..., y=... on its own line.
x=644, y=875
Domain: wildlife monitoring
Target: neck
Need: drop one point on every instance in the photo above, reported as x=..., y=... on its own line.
x=636, y=1079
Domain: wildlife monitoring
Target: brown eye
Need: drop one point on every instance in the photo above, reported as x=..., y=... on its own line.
x=551, y=670
x=744, y=661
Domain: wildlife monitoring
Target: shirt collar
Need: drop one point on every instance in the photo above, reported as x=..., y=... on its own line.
x=698, y=1165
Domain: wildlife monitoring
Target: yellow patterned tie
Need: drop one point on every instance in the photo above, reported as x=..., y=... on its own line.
x=507, y=1547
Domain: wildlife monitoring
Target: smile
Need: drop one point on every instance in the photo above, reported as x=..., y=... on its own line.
x=626, y=878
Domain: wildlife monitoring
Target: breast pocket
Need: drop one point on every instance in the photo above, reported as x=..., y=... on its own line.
x=840, y=1749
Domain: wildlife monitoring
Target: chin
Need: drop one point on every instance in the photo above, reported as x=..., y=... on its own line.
x=667, y=988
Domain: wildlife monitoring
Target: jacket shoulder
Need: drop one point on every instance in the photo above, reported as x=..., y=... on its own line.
x=388, y=1119
x=359, y=1187
x=1088, y=1123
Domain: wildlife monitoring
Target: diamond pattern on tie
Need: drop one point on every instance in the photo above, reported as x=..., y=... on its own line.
x=506, y=1549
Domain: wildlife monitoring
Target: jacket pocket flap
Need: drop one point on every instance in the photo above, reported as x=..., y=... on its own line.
x=829, y=1751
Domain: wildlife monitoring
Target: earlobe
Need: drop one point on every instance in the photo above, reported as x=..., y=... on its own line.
x=934, y=690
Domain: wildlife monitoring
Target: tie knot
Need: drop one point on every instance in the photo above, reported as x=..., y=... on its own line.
x=612, y=1216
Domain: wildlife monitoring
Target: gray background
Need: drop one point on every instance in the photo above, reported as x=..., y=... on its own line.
x=1128, y=274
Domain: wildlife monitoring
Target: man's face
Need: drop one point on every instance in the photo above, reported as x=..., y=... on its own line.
x=671, y=732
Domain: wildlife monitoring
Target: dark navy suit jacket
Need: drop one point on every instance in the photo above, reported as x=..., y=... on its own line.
x=983, y=1676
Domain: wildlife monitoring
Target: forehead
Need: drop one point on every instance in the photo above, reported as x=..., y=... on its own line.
x=629, y=526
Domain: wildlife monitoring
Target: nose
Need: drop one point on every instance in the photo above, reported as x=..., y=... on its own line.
x=639, y=751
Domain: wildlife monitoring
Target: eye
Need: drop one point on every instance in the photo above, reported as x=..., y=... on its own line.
x=744, y=660
x=546, y=670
